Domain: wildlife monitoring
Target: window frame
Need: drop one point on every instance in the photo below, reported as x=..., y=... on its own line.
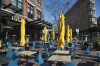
x=30, y=11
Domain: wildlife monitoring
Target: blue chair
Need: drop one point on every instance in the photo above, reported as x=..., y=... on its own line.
x=70, y=64
x=16, y=54
x=12, y=63
x=40, y=59
x=42, y=44
x=87, y=51
x=33, y=46
x=73, y=54
x=98, y=55
x=10, y=54
x=22, y=49
x=8, y=45
x=44, y=64
x=47, y=52
x=58, y=48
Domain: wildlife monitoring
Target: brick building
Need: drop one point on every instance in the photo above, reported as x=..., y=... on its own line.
x=31, y=10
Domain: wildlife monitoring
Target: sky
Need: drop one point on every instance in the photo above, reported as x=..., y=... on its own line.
x=49, y=18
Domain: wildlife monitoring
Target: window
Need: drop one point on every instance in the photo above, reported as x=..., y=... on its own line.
x=93, y=19
x=91, y=0
x=91, y=5
x=17, y=5
x=39, y=2
x=30, y=11
x=91, y=12
x=38, y=14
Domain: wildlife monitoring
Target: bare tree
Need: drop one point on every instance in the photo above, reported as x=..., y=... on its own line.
x=57, y=7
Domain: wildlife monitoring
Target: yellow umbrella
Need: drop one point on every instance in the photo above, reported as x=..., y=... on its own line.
x=45, y=34
x=53, y=34
x=0, y=43
x=22, y=41
x=67, y=34
x=61, y=31
x=70, y=35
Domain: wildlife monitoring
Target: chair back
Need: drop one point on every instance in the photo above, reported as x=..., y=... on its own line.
x=44, y=64
x=22, y=49
x=98, y=55
x=16, y=54
x=10, y=54
x=87, y=51
x=9, y=45
x=13, y=63
x=40, y=59
x=70, y=64
x=58, y=48
x=33, y=46
x=47, y=52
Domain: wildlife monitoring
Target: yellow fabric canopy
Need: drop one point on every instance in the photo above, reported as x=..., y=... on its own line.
x=45, y=34
x=22, y=40
x=61, y=31
x=70, y=34
x=67, y=34
x=53, y=34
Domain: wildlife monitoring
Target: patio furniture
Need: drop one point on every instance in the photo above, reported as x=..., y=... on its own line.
x=16, y=54
x=10, y=54
x=16, y=48
x=39, y=49
x=40, y=59
x=47, y=52
x=60, y=59
x=32, y=46
x=12, y=63
x=61, y=52
x=87, y=51
x=4, y=60
x=22, y=49
x=70, y=64
x=8, y=45
x=27, y=54
x=5, y=50
x=98, y=55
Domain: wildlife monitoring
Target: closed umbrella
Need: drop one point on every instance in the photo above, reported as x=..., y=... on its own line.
x=53, y=34
x=61, y=31
x=22, y=40
x=70, y=34
x=67, y=34
x=45, y=34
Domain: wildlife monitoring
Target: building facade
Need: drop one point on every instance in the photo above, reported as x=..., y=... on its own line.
x=82, y=16
x=98, y=21
x=31, y=10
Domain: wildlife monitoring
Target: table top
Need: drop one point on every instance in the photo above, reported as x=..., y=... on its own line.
x=27, y=53
x=60, y=58
x=61, y=52
x=5, y=50
x=4, y=60
x=16, y=48
x=39, y=49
